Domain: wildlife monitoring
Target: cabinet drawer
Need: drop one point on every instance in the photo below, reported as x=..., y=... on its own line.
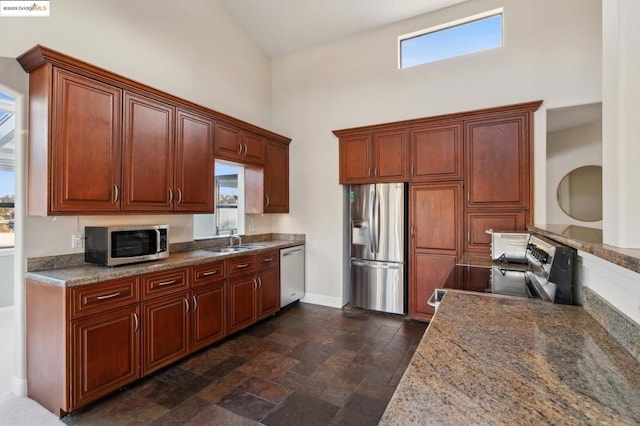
x=241, y=265
x=166, y=282
x=207, y=273
x=89, y=299
x=268, y=259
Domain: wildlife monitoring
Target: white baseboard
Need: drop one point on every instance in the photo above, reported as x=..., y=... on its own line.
x=18, y=386
x=321, y=299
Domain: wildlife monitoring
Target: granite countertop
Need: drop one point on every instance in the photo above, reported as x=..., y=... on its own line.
x=590, y=241
x=88, y=274
x=490, y=360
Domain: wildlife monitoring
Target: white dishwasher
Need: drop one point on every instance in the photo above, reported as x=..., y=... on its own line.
x=291, y=274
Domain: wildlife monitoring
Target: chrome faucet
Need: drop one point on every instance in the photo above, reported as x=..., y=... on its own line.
x=234, y=235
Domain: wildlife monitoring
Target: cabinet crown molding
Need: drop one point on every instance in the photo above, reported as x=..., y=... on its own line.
x=466, y=115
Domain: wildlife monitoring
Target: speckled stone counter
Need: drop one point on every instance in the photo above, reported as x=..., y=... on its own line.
x=492, y=360
x=590, y=241
x=87, y=274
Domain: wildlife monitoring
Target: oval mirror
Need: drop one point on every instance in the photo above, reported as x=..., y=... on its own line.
x=580, y=193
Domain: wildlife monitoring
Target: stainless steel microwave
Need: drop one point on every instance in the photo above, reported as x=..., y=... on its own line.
x=119, y=245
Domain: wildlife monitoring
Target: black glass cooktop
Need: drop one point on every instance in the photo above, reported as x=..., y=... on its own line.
x=504, y=281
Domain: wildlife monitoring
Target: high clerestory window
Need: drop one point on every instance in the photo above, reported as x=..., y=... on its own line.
x=461, y=37
x=7, y=171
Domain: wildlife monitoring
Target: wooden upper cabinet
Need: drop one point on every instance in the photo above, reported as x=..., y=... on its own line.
x=391, y=157
x=276, y=178
x=194, y=170
x=100, y=143
x=148, y=154
x=85, y=146
x=356, y=156
x=436, y=153
x=234, y=144
x=497, y=162
x=379, y=157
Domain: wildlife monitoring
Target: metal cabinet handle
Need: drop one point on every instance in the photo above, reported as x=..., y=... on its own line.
x=269, y=259
x=195, y=303
x=289, y=253
x=108, y=296
x=268, y=201
x=239, y=148
x=116, y=193
x=166, y=283
x=375, y=171
x=170, y=196
x=245, y=149
x=186, y=302
x=208, y=273
x=259, y=282
x=179, y=196
x=413, y=231
x=369, y=172
x=243, y=265
x=135, y=319
x=255, y=284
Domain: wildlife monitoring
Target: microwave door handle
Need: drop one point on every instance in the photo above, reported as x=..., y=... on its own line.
x=157, y=241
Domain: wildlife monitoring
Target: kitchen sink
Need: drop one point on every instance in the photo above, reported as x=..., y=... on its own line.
x=230, y=249
x=253, y=245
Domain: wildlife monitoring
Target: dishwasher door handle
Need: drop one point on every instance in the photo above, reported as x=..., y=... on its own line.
x=289, y=253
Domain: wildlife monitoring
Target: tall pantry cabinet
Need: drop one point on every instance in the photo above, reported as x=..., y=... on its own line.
x=467, y=172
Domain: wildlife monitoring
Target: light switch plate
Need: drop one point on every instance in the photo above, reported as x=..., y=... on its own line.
x=77, y=241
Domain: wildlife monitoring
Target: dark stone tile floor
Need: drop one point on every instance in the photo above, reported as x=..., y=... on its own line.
x=309, y=364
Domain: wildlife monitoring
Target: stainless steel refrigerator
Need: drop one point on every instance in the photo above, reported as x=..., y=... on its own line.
x=378, y=229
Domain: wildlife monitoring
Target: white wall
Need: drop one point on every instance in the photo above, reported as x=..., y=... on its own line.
x=552, y=52
x=203, y=57
x=569, y=149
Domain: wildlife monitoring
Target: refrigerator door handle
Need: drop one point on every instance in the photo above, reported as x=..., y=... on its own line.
x=372, y=241
x=375, y=265
x=377, y=220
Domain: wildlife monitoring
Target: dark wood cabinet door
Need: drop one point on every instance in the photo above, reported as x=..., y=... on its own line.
x=276, y=178
x=497, y=162
x=194, y=170
x=105, y=354
x=148, y=157
x=436, y=153
x=356, y=159
x=268, y=292
x=254, y=148
x=208, y=314
x=85, y=145
x=227, y=142
x=391, y=154
x=476, y=223
x=241, y=302
x=436, y=218
x=165, y=334
x=429, y=272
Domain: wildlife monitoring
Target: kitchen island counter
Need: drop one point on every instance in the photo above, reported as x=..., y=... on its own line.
x=493, y=360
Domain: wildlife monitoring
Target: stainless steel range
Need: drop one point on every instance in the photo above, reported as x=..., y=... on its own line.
x=547, y=275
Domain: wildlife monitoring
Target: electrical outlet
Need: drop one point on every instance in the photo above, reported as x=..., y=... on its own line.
x=77, y=241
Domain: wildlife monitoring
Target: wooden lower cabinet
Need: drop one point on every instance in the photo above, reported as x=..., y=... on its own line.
x=165, y=333
x=428, y=273
x=106, y=354
x=242, y=302
x=208, y=315
x=268, y=292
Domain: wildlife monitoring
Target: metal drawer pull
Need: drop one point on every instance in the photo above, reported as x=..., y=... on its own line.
x=186, y=302
x=108, y=296
x=167, y=283
x=206, y=274
x=243, y=265
x=135, y=318
x=195, y=303
x=269, y=259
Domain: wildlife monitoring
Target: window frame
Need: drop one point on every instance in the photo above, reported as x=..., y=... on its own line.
x=448, y=25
